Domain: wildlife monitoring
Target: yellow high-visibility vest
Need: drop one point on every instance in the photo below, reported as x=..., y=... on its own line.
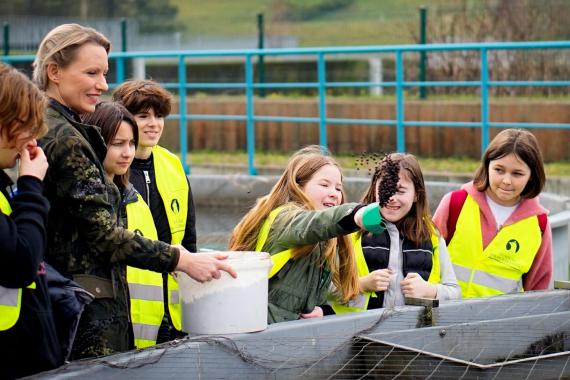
x=145, y=286
x=360, y=303
x=5, y=207
x=278, y=259
x=497, y=269
x=10, y=299
x=173, y=188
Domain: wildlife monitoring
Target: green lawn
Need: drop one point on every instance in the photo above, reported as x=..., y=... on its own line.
x=364, y=22
x=452, y=165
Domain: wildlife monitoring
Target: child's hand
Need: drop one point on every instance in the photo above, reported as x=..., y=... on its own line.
x=370, y=219
x=415, y=286
x=316, y=313
x=376, y=281
x=33, y=161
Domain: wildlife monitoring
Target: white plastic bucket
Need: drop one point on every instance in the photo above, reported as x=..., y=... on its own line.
x=227, y=305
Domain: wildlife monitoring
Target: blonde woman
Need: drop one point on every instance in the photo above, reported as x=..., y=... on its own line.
x=84, y=240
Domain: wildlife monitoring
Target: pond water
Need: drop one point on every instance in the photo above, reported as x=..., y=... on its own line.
x=215, y=224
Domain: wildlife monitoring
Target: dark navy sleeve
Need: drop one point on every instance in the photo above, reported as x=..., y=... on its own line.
x=189, y=241
x=23, y=234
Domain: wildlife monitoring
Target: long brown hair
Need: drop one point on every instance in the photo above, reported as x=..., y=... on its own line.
x=522, y=144
x=288, y=189
x=416, y=225
x=108, y=116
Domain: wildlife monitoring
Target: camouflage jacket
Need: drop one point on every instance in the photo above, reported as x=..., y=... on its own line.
x=85, y=242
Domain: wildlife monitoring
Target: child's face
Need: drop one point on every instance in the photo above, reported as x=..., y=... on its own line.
x=401, y=203
x=508, y=177
x=150, y=126
x=324, y=188
x=120, y=151
x=10, y=149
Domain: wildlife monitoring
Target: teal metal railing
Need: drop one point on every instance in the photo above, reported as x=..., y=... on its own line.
x=321, y=85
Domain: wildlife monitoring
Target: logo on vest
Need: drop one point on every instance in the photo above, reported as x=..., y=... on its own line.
x=513, y=245
x=138, y=232
x=175, y=206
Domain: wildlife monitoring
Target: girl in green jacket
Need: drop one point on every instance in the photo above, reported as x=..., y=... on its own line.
x=302, y=223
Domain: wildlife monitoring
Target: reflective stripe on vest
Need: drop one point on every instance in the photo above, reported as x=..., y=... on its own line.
x=173, y=188
x=10, y=299
x=360, y=303
x=174, y=302
x=145, y=287
x=278, y=259
x=497, y=269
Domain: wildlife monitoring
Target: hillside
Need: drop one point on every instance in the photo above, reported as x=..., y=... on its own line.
x=360, y=22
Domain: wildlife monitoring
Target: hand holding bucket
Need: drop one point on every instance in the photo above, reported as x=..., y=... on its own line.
x=203, y=267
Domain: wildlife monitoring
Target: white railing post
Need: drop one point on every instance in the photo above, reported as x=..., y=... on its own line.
x=560, y=224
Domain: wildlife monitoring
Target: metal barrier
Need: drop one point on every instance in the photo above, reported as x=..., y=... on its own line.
x=400, y=84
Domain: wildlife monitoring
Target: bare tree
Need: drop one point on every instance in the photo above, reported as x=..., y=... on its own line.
x=500, y=20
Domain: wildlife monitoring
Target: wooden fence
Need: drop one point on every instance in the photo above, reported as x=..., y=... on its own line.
x=423, y=141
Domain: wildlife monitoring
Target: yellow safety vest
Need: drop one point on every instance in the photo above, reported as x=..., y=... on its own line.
x=5, y=207
x=10, y=299
x=145, y=286
x=497, y=269
x=278, y=259
x=173, y=187
x=360, y=303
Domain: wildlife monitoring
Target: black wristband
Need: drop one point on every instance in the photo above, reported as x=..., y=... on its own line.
x=348, y=223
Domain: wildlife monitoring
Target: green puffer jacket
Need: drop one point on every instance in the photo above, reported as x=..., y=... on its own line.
x=84, y=242
x=302, y=284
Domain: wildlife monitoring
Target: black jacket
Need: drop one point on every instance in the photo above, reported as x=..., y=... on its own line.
x=153, y=199
x=33, y=339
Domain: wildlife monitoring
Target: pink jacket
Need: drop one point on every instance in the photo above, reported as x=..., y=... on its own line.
x=540, y=272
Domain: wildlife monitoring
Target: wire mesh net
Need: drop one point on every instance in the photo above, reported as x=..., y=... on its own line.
x=506, y=337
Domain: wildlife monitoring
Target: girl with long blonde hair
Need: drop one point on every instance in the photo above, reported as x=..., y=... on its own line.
x=302, y=223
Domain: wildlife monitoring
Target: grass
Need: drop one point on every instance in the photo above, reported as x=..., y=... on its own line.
x=364, y=22
x=448, y=165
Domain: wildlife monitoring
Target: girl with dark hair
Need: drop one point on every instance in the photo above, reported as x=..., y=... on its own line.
x=409, y=258
x=120, y=133
x=498, y=234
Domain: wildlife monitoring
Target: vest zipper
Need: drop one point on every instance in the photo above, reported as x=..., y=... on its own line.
x=147, y=180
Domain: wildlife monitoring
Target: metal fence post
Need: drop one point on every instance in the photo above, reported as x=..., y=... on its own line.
x=322, y=75
x=6, y=38
x=120, y=61
x=261, y=64
x=423, y=54
x=123, y=34
x=484, y=101
x=400, y=132
x=250, y=126
x=182, y=112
